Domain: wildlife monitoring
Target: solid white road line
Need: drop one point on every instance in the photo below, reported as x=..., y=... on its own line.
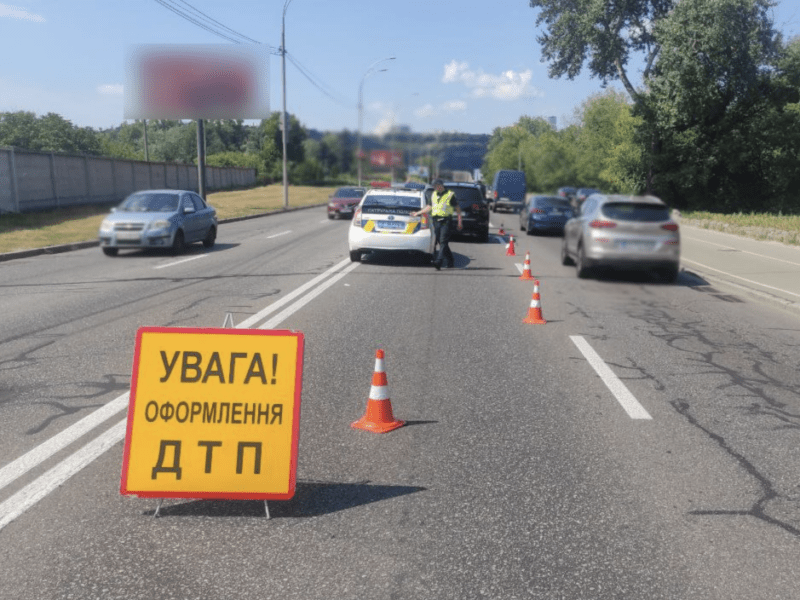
x=252, y=320
x=613, y=383
x=758, y=283
x=45, y=450
x=178, y=262
x=274, y=321
x=31, y=494
x=39, y=488
x=274, y=235
x=684, y=236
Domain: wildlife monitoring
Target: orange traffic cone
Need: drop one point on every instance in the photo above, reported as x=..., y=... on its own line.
x=510, y=247
x=526, y=268
x=502, y=231
x=535, y=311
x=379, y=417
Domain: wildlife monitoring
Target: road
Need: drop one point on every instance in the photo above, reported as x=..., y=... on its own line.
x=521, y=471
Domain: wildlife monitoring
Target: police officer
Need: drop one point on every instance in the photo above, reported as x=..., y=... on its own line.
x=443, y=204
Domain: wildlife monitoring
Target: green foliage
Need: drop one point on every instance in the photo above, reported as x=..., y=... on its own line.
x=604, y=33
x=608, y=158
x=714, y=121
x=599, y=151
x=49, y=133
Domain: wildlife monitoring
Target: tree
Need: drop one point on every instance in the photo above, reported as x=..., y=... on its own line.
x=49, y=133
x=709, y=102
x=272, y=145
x=608, y=156
x=606, y=33
x=19, y=129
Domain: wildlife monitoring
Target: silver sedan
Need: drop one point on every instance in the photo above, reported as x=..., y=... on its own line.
x=159, y=219
x=622, y=232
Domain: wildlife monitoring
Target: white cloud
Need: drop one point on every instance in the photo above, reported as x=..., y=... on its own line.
x=15, y=12
x=454, y=106
x=110, y=89
x=509, y=85
x=425, y=111
x=384, y=126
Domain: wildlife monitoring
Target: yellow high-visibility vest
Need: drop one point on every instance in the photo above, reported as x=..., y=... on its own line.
x=440, y=205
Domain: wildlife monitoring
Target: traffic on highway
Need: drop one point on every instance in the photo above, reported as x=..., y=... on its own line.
x=639, y=442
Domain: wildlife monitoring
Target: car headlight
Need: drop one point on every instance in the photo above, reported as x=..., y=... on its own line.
x=106, y=226
x=155, y=225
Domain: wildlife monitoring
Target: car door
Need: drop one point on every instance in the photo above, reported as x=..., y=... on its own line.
x=573, y=228
x=192, y=219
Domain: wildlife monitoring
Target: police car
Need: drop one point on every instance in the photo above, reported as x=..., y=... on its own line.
x=382, y=222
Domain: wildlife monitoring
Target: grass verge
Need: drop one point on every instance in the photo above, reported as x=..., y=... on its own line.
x=759, y=226
x=80, y=223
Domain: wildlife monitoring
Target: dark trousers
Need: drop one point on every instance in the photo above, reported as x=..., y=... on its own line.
x=444, y=256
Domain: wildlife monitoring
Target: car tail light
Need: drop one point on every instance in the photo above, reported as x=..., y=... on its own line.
x=424, y=223
x=495, y=194
x=596, y=224
x=537, y=211
x=357, y=218
x=670, y=226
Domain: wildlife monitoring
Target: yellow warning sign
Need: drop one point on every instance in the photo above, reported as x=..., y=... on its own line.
x=213, y=413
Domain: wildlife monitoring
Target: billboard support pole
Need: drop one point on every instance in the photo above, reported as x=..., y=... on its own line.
x=201, y=159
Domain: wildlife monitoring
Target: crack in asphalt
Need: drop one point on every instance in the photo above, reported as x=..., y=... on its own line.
x=755, y=383
x=759, y=508
x=65, y=412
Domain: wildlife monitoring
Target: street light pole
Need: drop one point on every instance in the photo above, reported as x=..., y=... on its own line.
x=361, y=107
x=283, y=114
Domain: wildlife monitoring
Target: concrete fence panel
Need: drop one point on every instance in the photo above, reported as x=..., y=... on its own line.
x=39, y=180
x=8, y=201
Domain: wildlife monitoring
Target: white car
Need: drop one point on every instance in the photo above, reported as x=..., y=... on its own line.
x=382, y=222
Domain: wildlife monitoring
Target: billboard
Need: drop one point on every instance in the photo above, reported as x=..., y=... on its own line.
x=418, y=170
x=386, y=158
x=197, y=81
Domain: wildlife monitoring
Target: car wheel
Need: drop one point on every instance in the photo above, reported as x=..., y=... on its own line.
x=581, y=266
x=565, y=257
x=211, y=238
x=178, y=243
x=355, y=256
x=110, y=251
x=330, y=216
x=483, y=238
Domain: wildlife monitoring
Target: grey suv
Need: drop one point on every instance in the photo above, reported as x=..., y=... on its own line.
x=622, y=232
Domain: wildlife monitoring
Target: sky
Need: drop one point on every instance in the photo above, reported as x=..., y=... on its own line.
x=450, y=65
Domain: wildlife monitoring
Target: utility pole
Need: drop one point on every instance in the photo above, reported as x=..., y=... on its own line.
x=369, y=72
x=283, y=114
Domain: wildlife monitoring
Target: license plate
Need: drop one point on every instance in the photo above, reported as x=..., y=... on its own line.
x=556, y=213
x=391, y=225
x=128, y=235
x=635, y=246
x=346, y=209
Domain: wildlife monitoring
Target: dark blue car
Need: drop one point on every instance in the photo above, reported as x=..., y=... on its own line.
x=546, y=214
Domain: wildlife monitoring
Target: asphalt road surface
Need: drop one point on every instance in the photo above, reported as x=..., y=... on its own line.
x=644, y=443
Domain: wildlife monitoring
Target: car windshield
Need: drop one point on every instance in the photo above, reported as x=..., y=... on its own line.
x=391, y=201
x=552, y=203
x=349, y=193
x=632, y=211
x=152, y=202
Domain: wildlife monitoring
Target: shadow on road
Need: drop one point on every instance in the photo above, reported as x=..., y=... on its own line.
x=311, y=499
